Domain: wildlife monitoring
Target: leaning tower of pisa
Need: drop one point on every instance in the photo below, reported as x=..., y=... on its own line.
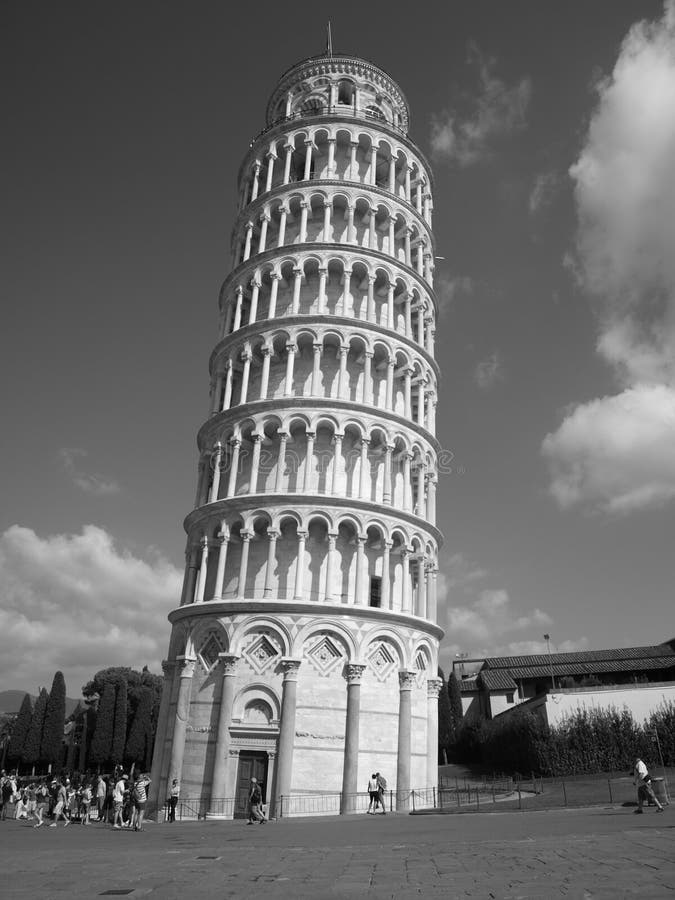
x=305, y=648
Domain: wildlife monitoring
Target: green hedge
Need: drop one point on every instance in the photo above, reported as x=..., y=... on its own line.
x=585, y=742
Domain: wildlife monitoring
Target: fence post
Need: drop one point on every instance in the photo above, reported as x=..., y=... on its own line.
x=413, y=800
x=493, y=793
x=434, y=794
x=609, y=788
x=477, y=799
x=564, y=791
x=458, y=800
x=520, y=802
x=440, y=799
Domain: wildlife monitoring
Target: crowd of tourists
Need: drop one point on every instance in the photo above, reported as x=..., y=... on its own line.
x=118, y=800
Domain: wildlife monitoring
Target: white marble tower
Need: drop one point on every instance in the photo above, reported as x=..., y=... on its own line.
x=305, y=646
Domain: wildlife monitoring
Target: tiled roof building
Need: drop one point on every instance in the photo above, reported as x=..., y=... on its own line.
x=500, y=682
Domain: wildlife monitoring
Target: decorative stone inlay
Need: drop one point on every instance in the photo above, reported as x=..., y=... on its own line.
x=420, y=669
x=382, y=661
x=261, y=653
x=320, y=737
x=210, y=651
x=324, y=656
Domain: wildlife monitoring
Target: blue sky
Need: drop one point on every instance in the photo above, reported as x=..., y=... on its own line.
x=551, y=131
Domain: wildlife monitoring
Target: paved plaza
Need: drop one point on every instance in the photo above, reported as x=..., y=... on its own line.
x=581, y=853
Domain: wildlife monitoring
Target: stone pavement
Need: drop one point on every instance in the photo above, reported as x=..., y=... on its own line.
x=580, y=853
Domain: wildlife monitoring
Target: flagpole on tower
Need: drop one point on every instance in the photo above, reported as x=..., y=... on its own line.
x=329, y=41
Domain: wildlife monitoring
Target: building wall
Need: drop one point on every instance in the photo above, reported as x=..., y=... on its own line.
x=639, y=699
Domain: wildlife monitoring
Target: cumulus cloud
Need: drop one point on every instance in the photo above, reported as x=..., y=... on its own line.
x=465, y=134
x=485, y=614
x=89, y=482
x=488, y=372
x=78, y=603
x=611, y=452
x=616, y=452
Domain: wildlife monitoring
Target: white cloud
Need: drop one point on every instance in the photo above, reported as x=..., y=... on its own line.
x=496, y=109
x=78, y=603
x=488, y=372
x=610, y=453
x=616, y=453
x=91, y=483
x=542, y=191
x=484, y=615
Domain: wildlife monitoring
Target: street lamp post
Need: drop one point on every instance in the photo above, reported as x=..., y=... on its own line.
x=547, y=638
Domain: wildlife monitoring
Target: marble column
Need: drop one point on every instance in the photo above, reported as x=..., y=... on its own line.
x=359, y=592
x=300, y=566
x=406, y=682
x=434, y=686
x=224, y=539
x=330, y=566
x=181, y=718
x=221, y=756
x=386, y=578
x=203, y=568
x=271, y=559
x=243, y=565
x=350, y=768
x=155, y=794
x=286, y=734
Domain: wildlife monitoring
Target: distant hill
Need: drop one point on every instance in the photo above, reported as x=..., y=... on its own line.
x=10, y=702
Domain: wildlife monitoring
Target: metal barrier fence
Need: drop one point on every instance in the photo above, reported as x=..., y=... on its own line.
x=452, y=794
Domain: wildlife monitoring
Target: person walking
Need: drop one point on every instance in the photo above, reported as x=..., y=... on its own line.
x=255, y=814
x=373, y=794
x=100, y=797
x=85, y=804
x=174, y=794
x=642, y=779
x=60, y=807
x=118, y=802
x=381, y=788
x=139, y=796
x=41, y=804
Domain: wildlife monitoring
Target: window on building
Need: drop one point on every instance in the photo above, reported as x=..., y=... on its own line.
x=375, y=591
x=346, y=93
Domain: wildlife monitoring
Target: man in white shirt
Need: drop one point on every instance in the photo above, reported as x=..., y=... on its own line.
x=118, y=800
x=642, y=779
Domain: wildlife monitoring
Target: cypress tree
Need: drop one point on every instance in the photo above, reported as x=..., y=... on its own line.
x=20, y=729
x=31, y=748
x=455, y=696
x=51, y=745
x=119, y=738
x=101, y=743
x=141, y=730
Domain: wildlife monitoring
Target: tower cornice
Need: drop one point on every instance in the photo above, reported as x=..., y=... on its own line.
x=314, y=501
x=208, y=433
x=327, y=321
x=228, y=608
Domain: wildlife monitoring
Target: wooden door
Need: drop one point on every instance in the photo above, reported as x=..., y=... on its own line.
x=252, y=764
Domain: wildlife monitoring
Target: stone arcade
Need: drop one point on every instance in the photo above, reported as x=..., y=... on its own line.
x=305, y=646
